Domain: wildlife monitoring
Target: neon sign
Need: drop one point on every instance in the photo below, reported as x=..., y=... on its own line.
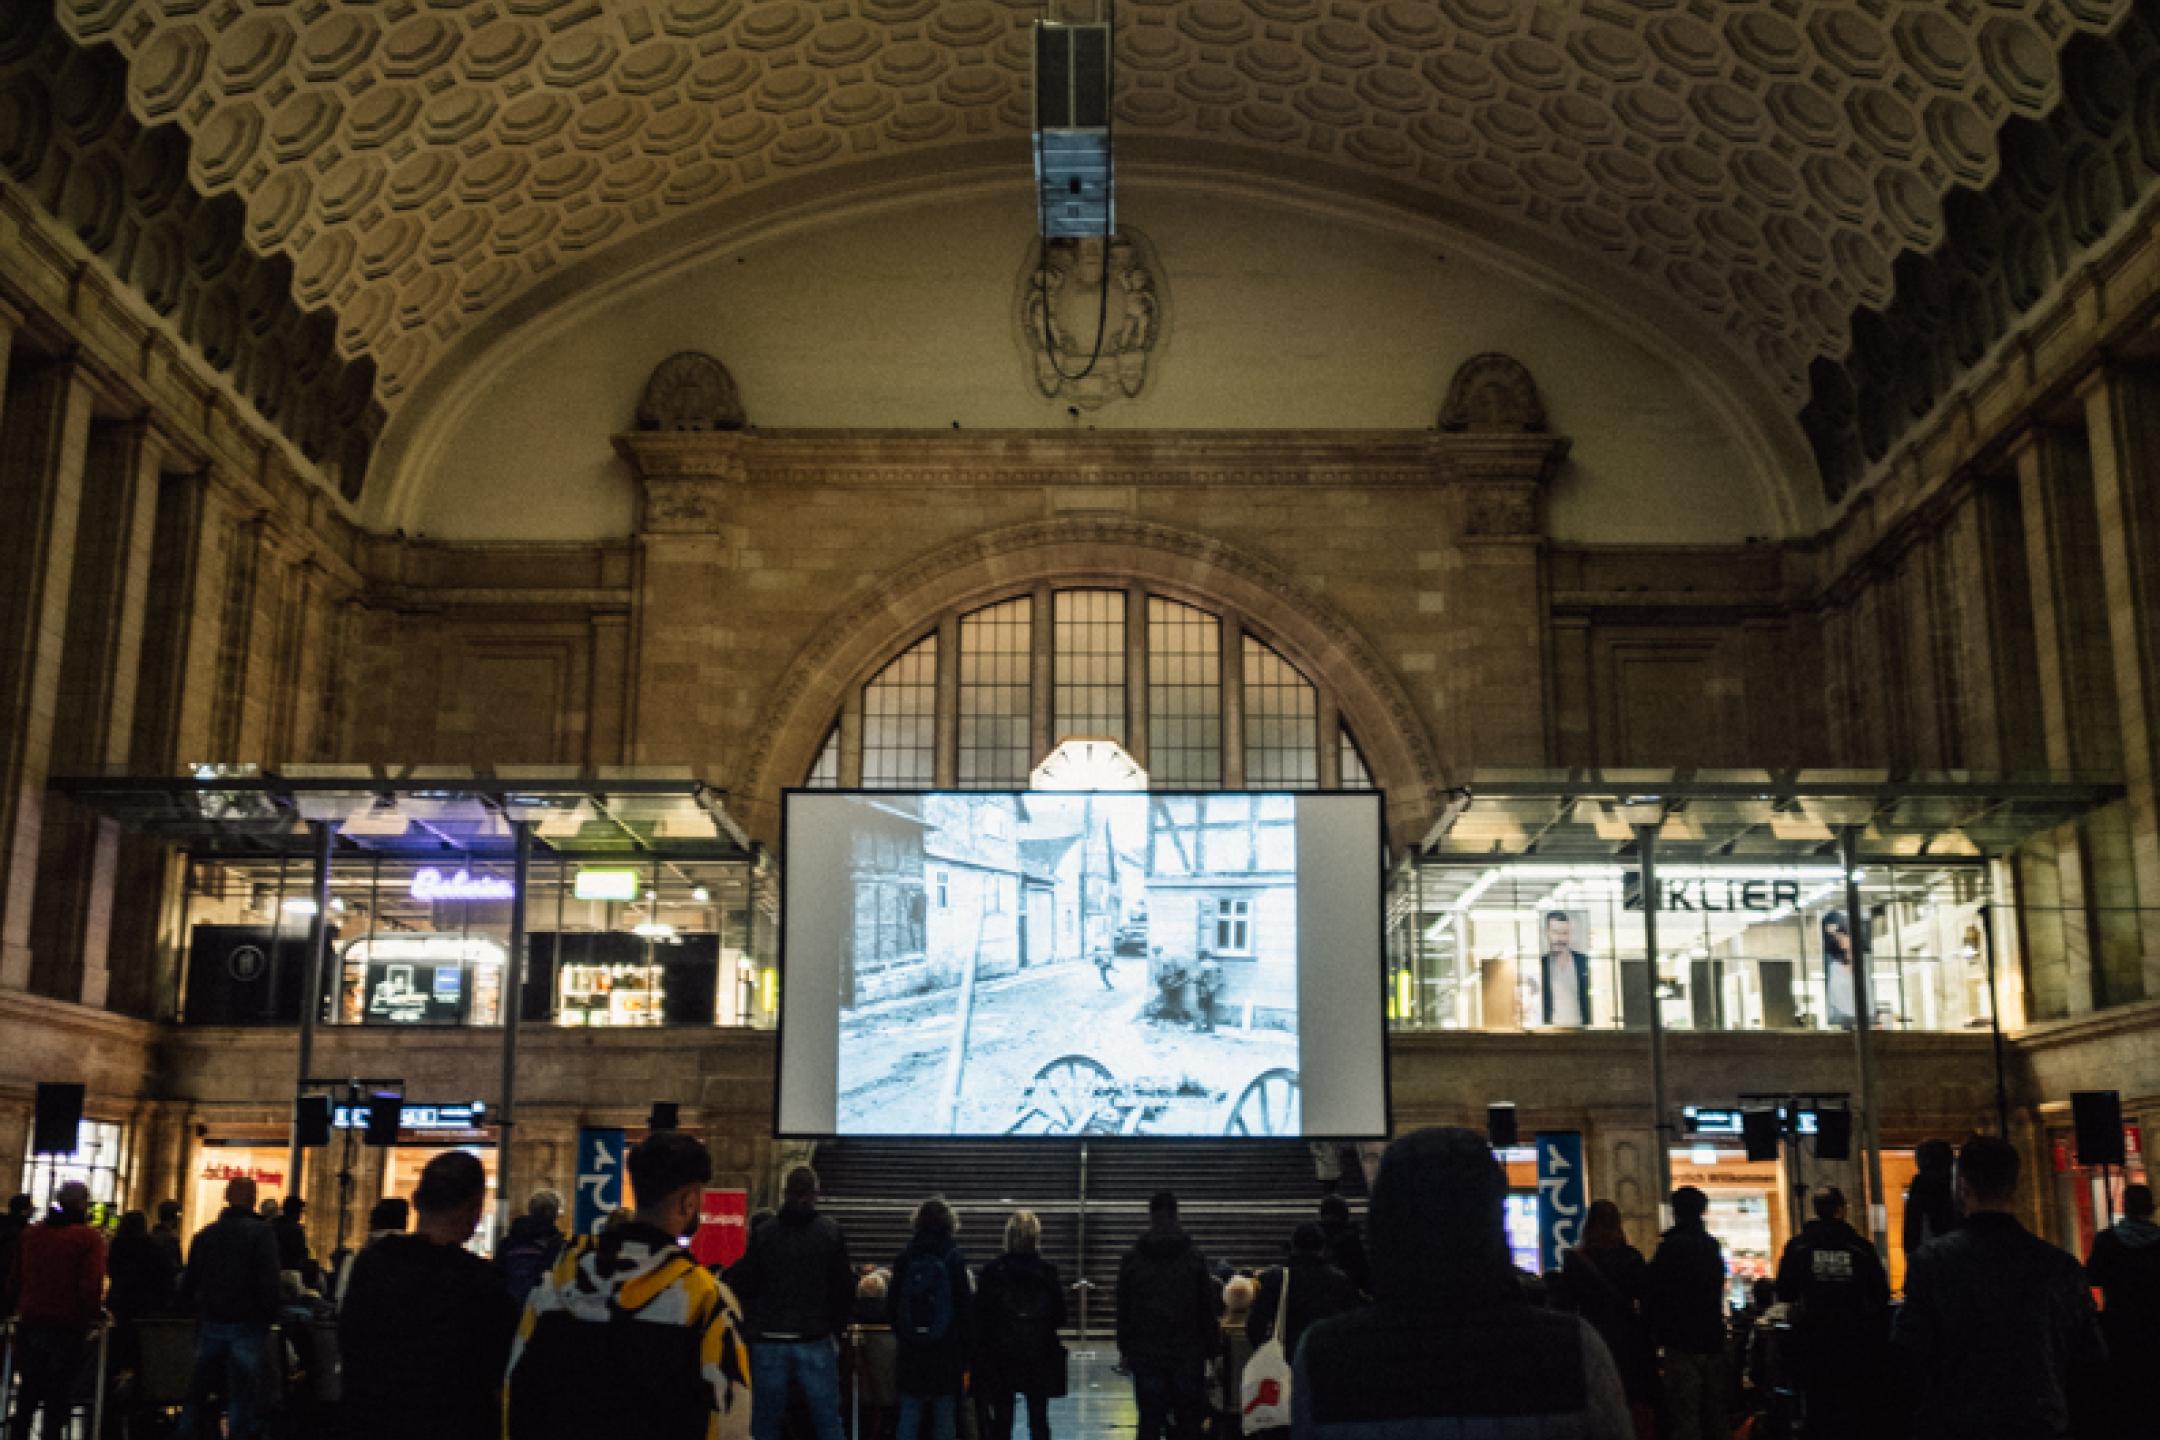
x=431, y=884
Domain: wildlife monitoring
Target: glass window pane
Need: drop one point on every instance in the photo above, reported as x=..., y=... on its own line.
x=1282, y=723
x=1354, y=774
x=1184, y=695
x=995, y=653
x=825, y=773
x=900, y=721
x=1090, y=659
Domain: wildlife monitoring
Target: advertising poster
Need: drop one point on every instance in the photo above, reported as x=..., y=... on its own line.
x=1562, y=1198
x=599, y=1177
x=723, y=1231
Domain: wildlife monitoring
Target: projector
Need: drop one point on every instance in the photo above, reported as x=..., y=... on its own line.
x=1072, y=130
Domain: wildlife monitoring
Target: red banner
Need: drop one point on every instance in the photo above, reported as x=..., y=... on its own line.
x=723, y=1227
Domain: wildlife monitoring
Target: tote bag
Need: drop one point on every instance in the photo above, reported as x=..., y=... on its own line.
x=1264, y=1395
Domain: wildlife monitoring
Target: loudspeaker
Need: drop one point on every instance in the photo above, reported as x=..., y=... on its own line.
x=1833, y=1135
x=665, y=1116
x=1500, y=1126
x=1761, y=1131
x=59, y=1120
x=385, y=1117
x=311, y=1120
x=2098, y=1115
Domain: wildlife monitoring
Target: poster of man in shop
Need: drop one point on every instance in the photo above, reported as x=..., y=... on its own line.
x=1560, y=981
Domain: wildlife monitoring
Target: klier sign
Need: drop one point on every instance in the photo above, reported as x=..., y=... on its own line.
x=1717, y=897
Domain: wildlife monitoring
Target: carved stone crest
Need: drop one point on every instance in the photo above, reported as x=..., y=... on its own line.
x=1493, y=393
x=690, y=391
x=1092, y=318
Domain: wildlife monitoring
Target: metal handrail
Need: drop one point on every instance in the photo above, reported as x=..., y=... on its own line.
x=102, y=1329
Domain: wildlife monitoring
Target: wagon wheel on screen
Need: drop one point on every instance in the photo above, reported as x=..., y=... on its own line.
x=1267, y=1106
x=1064, y=1097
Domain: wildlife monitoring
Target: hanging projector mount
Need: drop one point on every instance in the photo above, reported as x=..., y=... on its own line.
x=1075, y=83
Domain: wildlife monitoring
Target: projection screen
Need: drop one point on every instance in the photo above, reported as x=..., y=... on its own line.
x=1034, y=963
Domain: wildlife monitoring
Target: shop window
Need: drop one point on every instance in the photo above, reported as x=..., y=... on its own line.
x=98, y=1161
x=996, y=715
x=221, y=1162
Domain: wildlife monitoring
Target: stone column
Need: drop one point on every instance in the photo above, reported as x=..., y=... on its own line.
x=44, y=435
x=99, y=666
x=2072, y=645
x=683, y=712
x=1499, y=602
x=2122, y=420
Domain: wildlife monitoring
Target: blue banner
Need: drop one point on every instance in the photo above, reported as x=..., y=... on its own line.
x=599, y=1177
x=1561, y=1195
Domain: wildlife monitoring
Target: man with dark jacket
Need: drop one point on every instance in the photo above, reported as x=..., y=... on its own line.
x=232, y=1282
x=1345, y=1242
x=1317, y=1291
x=1167, y=1309
x=1840, y=1297
x=12, y=1226
x=63, y=1276
x=1684, y=1300
x=1997, y=1331
x=290, y=1228
x=1930, y=1201
x=2125, y=1268
x=798, y=1293
x=425, y=1329
x=1450, y=1347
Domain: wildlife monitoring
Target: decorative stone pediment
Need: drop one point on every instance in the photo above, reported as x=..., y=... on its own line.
x=690, y=391
x=1493, y=394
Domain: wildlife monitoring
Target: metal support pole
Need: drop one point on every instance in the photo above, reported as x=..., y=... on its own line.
x=1864, y=1036
x=1662, y=1129
x=1995, y=1030
x=310, y=991
x=513, y=1005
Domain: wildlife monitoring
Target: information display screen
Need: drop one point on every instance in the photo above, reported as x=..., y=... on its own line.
x=1036, y=963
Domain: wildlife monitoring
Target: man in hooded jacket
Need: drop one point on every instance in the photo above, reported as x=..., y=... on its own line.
x=1450, y=1347
x=1168, y=1312
x=798, y=1295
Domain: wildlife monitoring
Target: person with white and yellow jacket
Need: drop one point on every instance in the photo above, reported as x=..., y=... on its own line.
x=628, y=1335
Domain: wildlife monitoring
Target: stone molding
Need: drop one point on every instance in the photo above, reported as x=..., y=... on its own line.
x=686, y=476
x=1398, y=749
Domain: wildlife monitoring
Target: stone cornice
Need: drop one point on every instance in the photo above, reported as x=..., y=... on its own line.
x=932, y=458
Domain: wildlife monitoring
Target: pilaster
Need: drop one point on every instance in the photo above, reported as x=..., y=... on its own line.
x=2122, y=417
x=1499, y=605
x=44, y=435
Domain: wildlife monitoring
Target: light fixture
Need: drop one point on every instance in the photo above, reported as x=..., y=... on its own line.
x=653, y=930
x=605, y=884
x=299, y=905
x=701, y=894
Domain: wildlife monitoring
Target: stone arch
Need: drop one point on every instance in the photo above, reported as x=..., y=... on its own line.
x=1396, y=743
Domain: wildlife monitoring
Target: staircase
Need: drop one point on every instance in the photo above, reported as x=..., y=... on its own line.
x=1239, y=1199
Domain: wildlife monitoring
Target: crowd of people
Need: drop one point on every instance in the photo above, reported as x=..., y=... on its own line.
x=1416, y=1325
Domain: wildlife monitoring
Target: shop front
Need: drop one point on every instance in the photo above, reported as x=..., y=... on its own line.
x=218, y=1162
x=2086, y=1199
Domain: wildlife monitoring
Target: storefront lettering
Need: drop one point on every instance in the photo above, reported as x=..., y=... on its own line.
x=432, y=884
x=269, y=1178
x=1718, y=897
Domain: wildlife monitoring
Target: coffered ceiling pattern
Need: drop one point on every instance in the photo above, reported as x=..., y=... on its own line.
x=1763, y=162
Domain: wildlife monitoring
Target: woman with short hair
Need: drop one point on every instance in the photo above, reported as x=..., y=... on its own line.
x=1018, y=1312
x=931, y=1309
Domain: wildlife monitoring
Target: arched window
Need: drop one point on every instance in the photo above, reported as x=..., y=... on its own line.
x=1202, y=700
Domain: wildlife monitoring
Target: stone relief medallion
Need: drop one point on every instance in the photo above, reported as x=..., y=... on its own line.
x=1074, y=290
x=690, y=391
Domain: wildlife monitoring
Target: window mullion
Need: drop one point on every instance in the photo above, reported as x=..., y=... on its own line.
x=1233, y=703
x=1136, y=675
x=947, y=702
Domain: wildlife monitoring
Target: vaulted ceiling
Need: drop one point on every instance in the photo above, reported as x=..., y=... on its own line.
x=1763, y=164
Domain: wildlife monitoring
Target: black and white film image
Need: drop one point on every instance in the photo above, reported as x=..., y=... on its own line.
x=1064, y=964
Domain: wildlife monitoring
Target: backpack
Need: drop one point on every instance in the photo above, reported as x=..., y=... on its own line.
x=527, y=1263
x=924, y=1315
x=1029, y=1305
